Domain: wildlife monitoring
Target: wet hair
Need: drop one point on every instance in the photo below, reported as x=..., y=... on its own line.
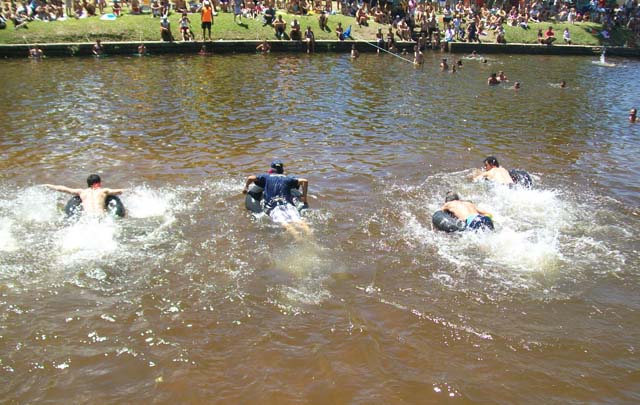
x=492, y=161
x=451, y=196
x=93, y=179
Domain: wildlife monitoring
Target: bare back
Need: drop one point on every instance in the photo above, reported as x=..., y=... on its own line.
x=461, y=209
x=93, y=199
x=497, y=174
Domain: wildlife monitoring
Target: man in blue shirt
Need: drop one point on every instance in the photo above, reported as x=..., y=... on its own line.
x=277, y=197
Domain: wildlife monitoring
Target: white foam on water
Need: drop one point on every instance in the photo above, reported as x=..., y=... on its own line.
x=538, y=232
x=88, y=239
x=143, y=202
x=7, y=240
x=34, y=204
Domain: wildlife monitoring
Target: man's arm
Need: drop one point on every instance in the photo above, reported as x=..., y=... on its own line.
x=483, y=212
x=64, y=189
x=305, y=185
x=480, y=175
x=248, y=182
x=114, y=191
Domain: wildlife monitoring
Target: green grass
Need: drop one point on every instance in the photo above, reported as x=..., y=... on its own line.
x=585, y=33
x=145, y=28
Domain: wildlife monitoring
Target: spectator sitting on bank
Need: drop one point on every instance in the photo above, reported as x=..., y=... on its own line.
x=340, y=32
x=549, y=36
x=296, y=32
x=180, y=6
x=500, y=35
x=403, y=32
x=310, y=38
x=155, y=9
x=165, y=30
x=268, y=16
x=135, y=7
x=362, y=17
x=523, y=21
x=566, y=36
x=19, y=22
x=90, y=7
x=280, y=25
x=116, y=8
x=379, y=16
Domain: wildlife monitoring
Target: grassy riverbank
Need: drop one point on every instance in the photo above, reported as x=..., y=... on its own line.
x=145, y=28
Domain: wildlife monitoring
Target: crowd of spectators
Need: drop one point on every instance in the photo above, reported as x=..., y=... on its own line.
x=435, y=22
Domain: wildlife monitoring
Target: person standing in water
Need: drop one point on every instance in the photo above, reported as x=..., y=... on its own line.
x=493, y=171
x=277, y=197
x=632, y=115
x=474, y=217
x=93, y=197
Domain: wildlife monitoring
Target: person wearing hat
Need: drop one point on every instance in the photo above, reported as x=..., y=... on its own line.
x=206, y=19
x=165, y=29
x=277, y=197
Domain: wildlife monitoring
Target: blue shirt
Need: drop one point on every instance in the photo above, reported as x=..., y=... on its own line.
x=276, y=187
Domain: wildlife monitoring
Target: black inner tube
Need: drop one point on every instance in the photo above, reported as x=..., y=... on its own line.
x=112, y=205
x=447, y=222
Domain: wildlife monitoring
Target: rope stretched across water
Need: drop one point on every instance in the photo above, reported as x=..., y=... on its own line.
x=381, y=49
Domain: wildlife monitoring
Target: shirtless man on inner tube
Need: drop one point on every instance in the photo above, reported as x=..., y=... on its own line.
x=493, y=171
x=94, y=197
x=474, y=217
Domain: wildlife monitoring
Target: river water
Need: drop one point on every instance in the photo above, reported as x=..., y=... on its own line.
x=191, y=299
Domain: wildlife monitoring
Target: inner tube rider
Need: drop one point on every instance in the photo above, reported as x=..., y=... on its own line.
x=94, y=198
x=474, y=217
x=494, y=172
x=277, y=198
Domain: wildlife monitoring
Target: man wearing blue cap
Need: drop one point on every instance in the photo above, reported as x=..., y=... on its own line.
x=278, y=201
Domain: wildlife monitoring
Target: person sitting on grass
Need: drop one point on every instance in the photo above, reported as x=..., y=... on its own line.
x=340, y=32
x=268, y=16
x=362, y=17
x=279, y=25
x=117, y=9
x=566, y=36
x=403, y=32
x=549, y=36
x=165, y=30
x=155, y=9
x=296, y=32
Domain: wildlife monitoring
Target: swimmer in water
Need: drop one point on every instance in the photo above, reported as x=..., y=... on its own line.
x=563, y=84
x=493, y=171
x=444, y=65
x=474, y=217
x=94, y=197
x=632, y=115
x=516, y=85
x=493, y=80
x=278, y=200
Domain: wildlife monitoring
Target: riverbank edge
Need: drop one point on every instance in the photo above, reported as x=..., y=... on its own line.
x=248, y=46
